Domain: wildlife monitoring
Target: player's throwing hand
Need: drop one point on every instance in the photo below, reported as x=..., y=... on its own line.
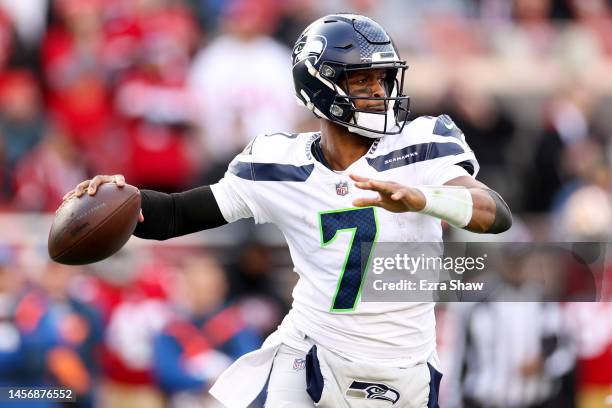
x=91, y=186
x=392, y=196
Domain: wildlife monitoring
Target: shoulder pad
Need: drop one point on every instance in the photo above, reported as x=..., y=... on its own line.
x=444, y=126
x=274, y=157
x=281, y=147
x=420, y=130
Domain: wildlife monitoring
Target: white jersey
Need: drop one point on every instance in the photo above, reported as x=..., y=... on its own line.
x=276, y=179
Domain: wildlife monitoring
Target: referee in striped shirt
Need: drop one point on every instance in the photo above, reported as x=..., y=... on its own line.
x=508, y=352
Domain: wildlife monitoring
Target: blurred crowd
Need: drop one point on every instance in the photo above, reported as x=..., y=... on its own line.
x=145, y=329
x=166, y=92
x=155, y=326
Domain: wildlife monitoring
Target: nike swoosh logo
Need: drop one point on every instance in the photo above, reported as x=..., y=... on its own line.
x=449, y=127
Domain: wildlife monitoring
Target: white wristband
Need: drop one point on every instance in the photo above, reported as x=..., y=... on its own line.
x=449, y=203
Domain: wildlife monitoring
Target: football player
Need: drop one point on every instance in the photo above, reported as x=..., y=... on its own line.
x=366, y=176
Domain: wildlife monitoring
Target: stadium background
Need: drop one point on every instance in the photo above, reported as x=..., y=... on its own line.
x=167, y=91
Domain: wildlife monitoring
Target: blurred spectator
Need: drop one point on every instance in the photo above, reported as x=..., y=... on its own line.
x=489, y=129
x=15, y=347
x=75, y=72
x=5, y=181
x=22, y=118
x=19, y=42
x=532, y=35
x=156, y=105
x=585, y=216
x=295, y=15
x=134, y=302
x=60, y=334
x=242, y=81
x=253, y=288
x=10, y=338
x=45, y=174
x=29, y=17
x=591, y=327
x=567, y=125
x=595, y=16
x=204, y=337
x=207, y=14
x=7, y=39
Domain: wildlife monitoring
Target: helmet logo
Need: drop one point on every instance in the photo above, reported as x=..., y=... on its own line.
x=311, y=47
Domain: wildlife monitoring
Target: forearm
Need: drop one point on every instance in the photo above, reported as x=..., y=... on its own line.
x=474, y=208
x=172, y=215
x=490, y=213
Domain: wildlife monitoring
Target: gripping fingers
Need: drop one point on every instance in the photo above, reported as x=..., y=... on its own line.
x=119, y=180
x=98, y=180
x=81, y=187
x=93, y=185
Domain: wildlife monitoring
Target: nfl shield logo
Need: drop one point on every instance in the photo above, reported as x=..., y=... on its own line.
x=299, y=364
x=342, y=188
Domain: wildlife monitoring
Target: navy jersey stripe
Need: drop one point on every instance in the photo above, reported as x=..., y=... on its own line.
x=434, y=387
x=270, y=171
x=413, y=154
x=241, y=169
x=314, y=377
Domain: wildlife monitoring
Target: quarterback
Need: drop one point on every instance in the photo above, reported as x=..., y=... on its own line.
x=368, y=175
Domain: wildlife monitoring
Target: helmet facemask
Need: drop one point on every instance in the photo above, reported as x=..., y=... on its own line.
x=343, y=110
x=370, y=122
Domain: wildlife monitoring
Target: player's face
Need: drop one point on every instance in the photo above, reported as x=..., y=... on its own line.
x=368, y=83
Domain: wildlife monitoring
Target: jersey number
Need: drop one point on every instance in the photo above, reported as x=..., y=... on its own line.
x=362, y=224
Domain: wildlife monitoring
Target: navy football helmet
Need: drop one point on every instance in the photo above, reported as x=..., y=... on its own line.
x=324, y=55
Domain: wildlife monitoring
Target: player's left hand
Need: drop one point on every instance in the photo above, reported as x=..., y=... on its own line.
x=392, y=196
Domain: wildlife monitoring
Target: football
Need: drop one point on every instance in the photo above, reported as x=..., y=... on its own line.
x=91, y=228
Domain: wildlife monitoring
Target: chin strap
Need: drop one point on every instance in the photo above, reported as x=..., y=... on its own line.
x=374, y=121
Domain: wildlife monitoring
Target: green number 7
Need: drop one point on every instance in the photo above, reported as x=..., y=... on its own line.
x=363, y=226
